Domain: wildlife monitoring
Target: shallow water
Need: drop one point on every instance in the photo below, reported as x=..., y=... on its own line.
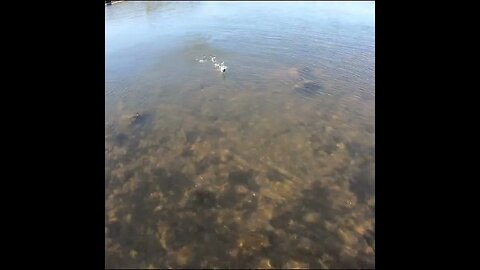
x=268, y=165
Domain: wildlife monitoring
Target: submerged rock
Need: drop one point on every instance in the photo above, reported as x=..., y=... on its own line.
x=294, y=264
x=133, y=254
x=252, y=241
x=347, y=237
x=183, y=256
x=311, y=217
x=264, y=263
x=241, y=189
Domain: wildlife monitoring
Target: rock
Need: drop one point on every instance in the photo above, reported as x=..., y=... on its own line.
x=253, y=241
x=305, y=244
x=162, y=231
x=330, y=226
x=183, y=256
x=133, y=254
x=233, y=252
x=347, y=237
x=311, y=217
x=348, y=252
x=293, y=264
x=225, y=155
x=128, y=218
x=264, y=263
x=112, y=217
x=360, y=229
x=241, y=189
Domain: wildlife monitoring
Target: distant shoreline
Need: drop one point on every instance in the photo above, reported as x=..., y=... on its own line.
x=112, y=2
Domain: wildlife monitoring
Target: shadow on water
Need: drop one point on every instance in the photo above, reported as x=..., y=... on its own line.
x=140, y=120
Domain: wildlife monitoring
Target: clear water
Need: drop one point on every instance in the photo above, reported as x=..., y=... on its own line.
x=268, y=165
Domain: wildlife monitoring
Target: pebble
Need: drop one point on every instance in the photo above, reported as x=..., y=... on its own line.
x=233, y=252
x=128, y=218
x=133, y=254
x=264, y=264
x=347, y=237
x=183, y=256
x=241, y=189
x=293, y=264
x=311, y=217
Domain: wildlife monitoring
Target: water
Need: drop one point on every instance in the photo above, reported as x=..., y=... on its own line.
x=268, y=165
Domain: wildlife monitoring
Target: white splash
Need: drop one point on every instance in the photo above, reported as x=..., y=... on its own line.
x=222, y=67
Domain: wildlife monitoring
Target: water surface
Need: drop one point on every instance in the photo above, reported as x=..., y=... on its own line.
x=268, y=165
